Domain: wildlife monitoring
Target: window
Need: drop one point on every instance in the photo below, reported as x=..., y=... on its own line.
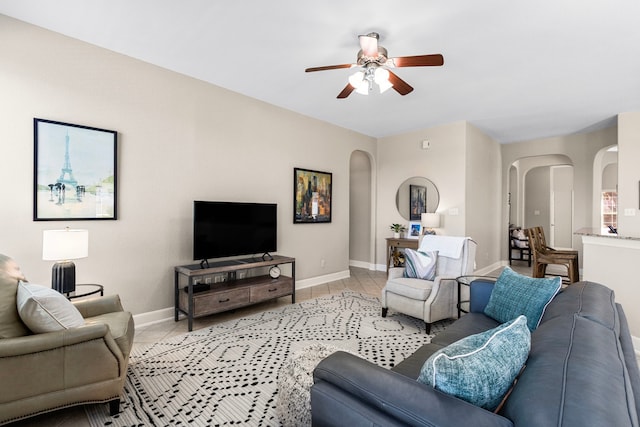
x=609, y=210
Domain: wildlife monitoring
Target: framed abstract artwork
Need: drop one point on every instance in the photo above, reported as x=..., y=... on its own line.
x=417, y=201
x=75, y=172
x=311, y=196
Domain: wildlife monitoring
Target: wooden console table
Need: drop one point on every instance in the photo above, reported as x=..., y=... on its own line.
x=198, y=294
x=393, y=244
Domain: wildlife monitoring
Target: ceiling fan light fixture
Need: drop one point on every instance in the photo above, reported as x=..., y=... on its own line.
x=374, y=61
x=381, y=77
x=357, y=80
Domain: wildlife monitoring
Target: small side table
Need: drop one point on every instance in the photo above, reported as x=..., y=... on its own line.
x=393, y=244
x=94, y=289
x=466, y=281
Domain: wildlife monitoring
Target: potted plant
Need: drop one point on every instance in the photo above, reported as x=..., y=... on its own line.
x=397, y=229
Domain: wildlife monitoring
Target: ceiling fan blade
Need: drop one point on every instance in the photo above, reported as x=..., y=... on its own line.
x=369, y=45
x=329, y=67
x=346, y=91
x=399, y=85
x=434, y=60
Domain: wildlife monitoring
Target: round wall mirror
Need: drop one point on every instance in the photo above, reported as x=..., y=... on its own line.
x=416, y=195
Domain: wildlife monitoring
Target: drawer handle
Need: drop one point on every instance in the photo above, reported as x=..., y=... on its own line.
x=224, y=300
x=273, y=290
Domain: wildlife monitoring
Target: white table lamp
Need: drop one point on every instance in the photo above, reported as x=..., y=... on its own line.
x=63, y=246
x=430, y=221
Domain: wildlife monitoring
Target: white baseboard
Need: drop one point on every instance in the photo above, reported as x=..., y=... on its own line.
x=362, y=264
x=488, y=269
x=151, y=317
x=319, y=280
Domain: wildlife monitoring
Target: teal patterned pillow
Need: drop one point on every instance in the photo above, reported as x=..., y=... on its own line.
x=480, y=368
x=420, y=265
x=514, y=294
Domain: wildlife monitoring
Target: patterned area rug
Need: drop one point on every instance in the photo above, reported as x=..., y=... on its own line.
x=227, y=374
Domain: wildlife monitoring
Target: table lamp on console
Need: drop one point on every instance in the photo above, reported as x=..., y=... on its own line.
x=430, y=220
x=63, y=246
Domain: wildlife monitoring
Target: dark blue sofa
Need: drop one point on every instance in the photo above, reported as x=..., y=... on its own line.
x=581, y=371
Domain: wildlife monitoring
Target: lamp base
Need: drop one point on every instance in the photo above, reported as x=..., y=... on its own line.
x=429, y=231
x=63, y=277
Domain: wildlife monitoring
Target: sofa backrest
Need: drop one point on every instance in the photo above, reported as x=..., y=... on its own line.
x=577, y=371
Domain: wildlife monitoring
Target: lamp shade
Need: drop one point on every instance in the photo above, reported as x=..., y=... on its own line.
x=65, y=244
x=430, y=220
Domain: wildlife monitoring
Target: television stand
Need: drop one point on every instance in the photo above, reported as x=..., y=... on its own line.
x=196, y=294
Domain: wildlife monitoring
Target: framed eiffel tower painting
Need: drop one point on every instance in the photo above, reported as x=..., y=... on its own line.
x=75, y=172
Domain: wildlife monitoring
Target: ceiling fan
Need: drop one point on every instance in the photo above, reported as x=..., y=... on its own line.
x=375, y=63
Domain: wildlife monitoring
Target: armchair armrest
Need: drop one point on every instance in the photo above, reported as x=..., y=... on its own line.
x=51, y=340
x=397, y=396
x=99, y=305
x=396, y=272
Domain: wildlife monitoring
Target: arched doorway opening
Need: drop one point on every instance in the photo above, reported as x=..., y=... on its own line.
x=541, y=194
x=605, y=189
x=361, y=210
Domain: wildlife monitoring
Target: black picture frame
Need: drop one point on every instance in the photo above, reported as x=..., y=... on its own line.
x=311, y=196
x=74, y=172
x=417, y=202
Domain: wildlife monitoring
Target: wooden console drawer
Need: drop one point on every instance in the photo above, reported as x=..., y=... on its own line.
x=215, y=302
x=276, y=288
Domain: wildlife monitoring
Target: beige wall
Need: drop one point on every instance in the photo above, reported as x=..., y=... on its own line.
x=180, y=139
x=536, y=189
x=401, y=157
x=360, y=210
x=464, y=164
x=581, y=150
x=482, y=181
x=628, y=173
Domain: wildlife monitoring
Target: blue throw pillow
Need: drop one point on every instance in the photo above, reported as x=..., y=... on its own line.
x=514, y=294
x=420, y=265
x=480, y=368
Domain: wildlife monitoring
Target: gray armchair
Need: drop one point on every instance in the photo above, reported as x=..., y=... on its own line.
x=430, y=300
x=48, y=371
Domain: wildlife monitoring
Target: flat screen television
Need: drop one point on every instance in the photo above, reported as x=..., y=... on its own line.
x=224, y=229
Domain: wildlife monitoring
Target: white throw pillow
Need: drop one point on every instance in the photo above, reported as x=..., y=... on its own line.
x=43, y=309
x=420, y=265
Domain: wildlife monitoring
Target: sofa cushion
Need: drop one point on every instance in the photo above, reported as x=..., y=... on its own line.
x=480, y=368
x=417, y=289
x=514, y=295
x=10, y=323
x=469, y=324
x=420, y=265
x=43, y=309
x=472, y=323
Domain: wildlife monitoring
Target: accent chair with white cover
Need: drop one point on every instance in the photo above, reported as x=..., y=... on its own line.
x=431, y=300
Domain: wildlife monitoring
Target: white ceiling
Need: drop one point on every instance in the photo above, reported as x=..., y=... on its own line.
x=516, y=69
